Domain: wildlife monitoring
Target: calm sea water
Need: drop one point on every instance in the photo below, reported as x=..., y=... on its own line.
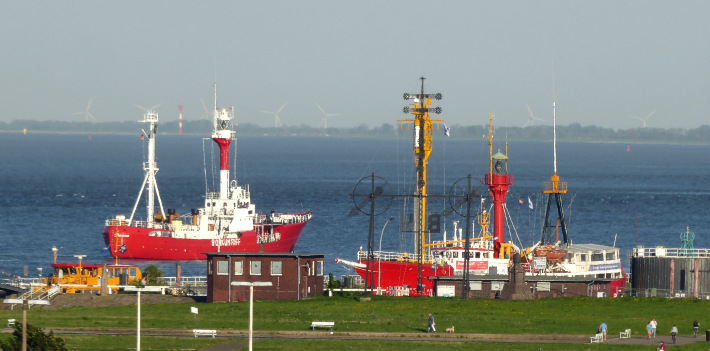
x=57, y=190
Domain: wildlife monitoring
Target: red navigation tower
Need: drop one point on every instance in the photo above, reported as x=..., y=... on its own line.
x=223, y=136
x=498, y=180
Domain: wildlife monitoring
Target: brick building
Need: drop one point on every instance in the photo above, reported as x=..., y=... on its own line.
x=293, y=275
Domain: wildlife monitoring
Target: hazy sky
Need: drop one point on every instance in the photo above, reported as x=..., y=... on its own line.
x=612, y=60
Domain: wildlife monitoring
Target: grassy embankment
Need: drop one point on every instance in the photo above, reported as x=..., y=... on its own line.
x=579, y=316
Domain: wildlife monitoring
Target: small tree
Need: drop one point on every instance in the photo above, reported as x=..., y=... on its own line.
x=37, y=340
x=152, y=275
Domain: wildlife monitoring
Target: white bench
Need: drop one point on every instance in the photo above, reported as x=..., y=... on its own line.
x=626, y=334
x=596, y=339
x=328, y=325
x=204, y=332
x=10, y=323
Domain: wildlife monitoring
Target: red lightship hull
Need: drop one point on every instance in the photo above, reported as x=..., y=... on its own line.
x=157, y=244
x=390, y=275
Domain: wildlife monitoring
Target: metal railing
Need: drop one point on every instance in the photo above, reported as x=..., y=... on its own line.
x=388, y=256
x=669, y=252
x=194, y=281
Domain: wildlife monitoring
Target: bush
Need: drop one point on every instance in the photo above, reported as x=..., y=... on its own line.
x=37, y=340
x=152, y=275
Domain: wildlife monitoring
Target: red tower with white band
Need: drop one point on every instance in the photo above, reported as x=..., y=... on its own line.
x=498, y=180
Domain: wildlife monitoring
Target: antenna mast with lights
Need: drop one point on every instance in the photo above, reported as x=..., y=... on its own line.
x=554, y=187
x=423, y=128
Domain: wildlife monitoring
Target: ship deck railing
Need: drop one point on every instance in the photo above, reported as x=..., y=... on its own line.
x=388, y=256
x=670, y=252
x=279, y=219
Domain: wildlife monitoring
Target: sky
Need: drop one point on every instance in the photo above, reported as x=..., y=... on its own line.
x=601, y=61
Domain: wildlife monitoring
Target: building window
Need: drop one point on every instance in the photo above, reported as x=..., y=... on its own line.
x=222, y=267
x=596, y=257
x=276, y=268
x=238, y=267
x=255, y=268
x=319, y=268
x=610, y=256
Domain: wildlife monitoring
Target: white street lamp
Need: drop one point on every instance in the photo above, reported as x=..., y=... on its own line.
x=140, y=289
x=251, y=286
x=25, y=306
x=379, y=258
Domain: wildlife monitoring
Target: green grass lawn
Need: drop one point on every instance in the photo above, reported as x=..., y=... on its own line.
x=404, y=314
x=562, y=315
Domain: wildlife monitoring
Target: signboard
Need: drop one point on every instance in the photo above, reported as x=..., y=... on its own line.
x=497, y=286
x=445, y=291
x=193, y=310
x=475, y=286
x=539, y=263
x=604, y=267
x=473, y=265
x=543, y=286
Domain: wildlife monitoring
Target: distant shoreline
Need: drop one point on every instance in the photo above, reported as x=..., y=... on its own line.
x=562, y=140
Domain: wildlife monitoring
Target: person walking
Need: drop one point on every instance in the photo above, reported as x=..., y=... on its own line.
x=654, y=325
x=696, y=325
x=603, y=329
x=674, y=332
x=431, y=324
x=649, y=330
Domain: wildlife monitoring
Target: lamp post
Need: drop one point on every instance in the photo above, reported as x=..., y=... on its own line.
x=25, y=305
x=140, y=289
x=251, y=286
x=379, y=258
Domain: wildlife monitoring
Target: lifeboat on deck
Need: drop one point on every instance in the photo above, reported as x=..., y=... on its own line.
x=550, y=252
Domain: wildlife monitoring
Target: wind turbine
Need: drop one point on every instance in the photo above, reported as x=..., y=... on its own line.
x=277, y=120
x=147, y=110
x=324, y=121
x=204, y=107
x=644, y=119
x=86, y=113
x=531, y=121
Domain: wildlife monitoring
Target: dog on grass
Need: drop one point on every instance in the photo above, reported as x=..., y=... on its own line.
x=450, y=330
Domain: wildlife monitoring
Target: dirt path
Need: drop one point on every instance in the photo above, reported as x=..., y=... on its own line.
x=347, y=335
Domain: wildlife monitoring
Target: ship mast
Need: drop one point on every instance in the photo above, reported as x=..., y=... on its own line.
x=423, y=128
x=151, y=168
x=223, y=136
x=554, y=188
